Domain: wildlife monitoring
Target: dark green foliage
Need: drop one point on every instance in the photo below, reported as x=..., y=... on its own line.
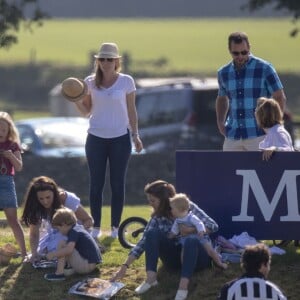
x=290, y=5
x=12, y=14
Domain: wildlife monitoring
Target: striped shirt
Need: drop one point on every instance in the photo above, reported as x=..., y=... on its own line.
x=243, y=87
x=164, y=225
x=251, y=287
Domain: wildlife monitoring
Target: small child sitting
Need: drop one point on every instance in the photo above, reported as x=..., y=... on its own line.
x=80, y=250
x=180, y=205
x=270, y=118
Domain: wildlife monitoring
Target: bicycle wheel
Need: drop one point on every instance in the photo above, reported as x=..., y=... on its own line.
x=282, y=243
x=131, y=231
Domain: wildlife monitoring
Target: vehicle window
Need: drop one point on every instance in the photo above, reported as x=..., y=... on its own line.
x=172, y=106
x=204, y=106
x=162, y=107
x=52, y=135
x=26, y=137
x=146, y=106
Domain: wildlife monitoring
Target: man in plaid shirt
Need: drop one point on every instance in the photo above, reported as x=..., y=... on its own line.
x=241, y=83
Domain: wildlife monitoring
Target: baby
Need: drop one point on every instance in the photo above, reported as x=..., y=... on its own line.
x=180, y=205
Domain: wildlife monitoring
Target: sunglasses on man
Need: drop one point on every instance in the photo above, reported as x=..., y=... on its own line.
x=237, y=53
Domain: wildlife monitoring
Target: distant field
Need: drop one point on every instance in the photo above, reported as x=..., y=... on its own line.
x=195, y=45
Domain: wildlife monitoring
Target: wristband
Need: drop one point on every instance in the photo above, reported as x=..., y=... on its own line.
x=126, y=265
x=133, y=134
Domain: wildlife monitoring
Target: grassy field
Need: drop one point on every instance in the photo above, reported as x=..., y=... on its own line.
x=189, y=45
x=21, y=281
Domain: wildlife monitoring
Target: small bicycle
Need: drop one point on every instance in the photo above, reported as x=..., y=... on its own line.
x=285, y=243
x=131, y=231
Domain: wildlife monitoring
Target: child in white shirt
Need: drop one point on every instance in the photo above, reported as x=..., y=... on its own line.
x=270, y=118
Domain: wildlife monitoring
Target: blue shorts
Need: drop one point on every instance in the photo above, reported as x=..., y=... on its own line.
x=8, y=196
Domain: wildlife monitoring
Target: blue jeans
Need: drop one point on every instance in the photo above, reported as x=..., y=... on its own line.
x=158, y=245
x=117, y=152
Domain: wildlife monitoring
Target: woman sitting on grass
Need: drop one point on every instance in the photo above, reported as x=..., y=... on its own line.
x=42, y=199
x=156, y=244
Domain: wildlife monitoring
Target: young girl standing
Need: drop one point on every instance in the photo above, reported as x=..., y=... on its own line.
x=270, y=118
x=10, y=161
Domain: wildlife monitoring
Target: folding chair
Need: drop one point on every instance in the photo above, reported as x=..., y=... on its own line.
x=254, y=289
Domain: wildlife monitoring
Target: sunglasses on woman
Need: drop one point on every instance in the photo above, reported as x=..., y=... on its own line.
x=105, y=59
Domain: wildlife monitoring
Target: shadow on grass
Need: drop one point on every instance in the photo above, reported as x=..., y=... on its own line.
x=22, y=281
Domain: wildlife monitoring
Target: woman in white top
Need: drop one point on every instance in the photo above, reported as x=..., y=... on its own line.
x=269, y=117
x=110, y=105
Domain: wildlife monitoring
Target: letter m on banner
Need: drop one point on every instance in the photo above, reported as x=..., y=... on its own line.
x=242, y=192
x=288, y=182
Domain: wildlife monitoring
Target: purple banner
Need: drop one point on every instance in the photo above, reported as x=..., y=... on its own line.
x=242, y=192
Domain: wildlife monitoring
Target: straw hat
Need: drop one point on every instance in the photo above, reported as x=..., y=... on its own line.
x=74, y=89
x=108, y=50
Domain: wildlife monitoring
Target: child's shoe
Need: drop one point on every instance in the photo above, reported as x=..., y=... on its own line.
x=114, y=232
x=68, y=271
x=181, y=295
x=54, y=277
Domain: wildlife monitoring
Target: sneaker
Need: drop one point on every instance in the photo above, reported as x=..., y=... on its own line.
x=114, y=232
x=181, y=295
x=145, y=286
x=68, y=271
x=96, y=232
x=54, y=277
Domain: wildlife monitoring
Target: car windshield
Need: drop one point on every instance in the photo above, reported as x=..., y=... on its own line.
x=61, y=135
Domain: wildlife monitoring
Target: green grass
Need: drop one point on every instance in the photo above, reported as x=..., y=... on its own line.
x=21, y=281
x=190, y=45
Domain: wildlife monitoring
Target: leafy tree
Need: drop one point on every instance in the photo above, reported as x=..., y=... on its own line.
x=13, y=13
x=293, y=6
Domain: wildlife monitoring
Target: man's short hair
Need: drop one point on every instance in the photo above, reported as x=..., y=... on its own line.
x=237, y=38
x=254, y=257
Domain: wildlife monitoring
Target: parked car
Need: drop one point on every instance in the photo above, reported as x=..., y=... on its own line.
x=178, y=113
x=53, y=136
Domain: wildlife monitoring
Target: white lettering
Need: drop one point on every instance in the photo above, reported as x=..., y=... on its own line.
x=288, y=180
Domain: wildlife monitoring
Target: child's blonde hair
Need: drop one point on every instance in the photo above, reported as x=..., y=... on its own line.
x=181, y=202
x=64, y=216
x=268, y=113
x=13, y=134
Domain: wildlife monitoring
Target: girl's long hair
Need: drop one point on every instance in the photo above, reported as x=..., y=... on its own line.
x=13, y=134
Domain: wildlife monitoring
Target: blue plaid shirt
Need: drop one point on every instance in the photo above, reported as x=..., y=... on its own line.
x=164, y=225
x=243, y=87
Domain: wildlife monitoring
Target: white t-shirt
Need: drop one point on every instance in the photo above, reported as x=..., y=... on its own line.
x=278, y=137
x=189, y=220
x=109, y=115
